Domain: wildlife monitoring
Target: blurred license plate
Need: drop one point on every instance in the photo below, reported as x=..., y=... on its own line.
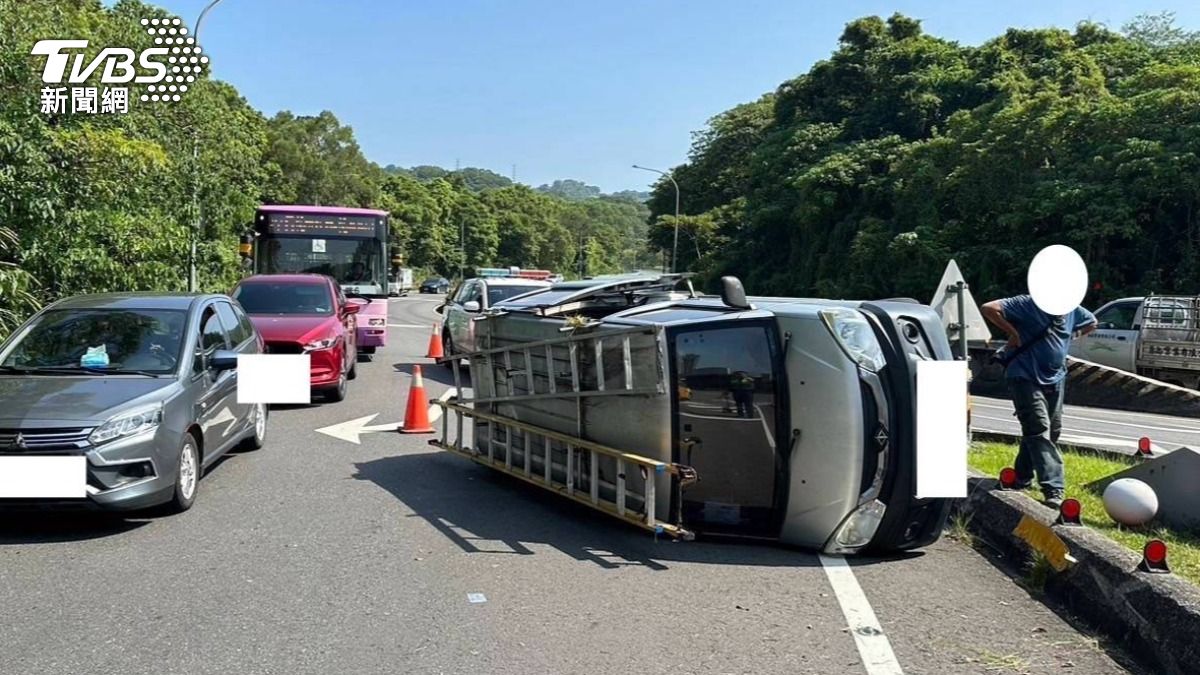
x=43, y=477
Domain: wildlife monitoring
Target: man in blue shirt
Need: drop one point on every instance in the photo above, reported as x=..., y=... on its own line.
x=1036, y=371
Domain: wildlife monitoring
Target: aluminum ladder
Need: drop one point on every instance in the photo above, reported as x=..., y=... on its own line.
x=581, y=365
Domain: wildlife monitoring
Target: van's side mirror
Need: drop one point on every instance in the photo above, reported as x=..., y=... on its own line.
x=439, y=309
x=733, y=294
x=223, y=359
x=471, y=306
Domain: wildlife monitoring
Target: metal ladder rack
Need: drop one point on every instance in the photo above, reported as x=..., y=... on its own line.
x=588, y=361
x=552, y=460
x=518, y=361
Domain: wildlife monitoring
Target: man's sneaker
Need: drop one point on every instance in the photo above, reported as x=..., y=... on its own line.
x=1054, y=500
x=1022, y=484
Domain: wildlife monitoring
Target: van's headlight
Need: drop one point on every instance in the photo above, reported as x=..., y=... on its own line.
x=854, y=334
x=858, y=529
x=127, y=424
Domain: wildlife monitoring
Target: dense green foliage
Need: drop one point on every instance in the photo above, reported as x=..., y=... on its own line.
x=102, y=202
x=863, y=176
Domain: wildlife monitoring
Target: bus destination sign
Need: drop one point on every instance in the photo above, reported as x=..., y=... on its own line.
x=320, y=225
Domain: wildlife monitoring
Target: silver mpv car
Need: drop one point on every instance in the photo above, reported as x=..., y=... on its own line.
x=120, y=401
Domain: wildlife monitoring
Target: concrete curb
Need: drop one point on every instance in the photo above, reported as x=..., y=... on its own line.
x=1156, y=616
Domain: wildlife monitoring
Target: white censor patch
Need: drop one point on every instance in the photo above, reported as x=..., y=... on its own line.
x=43, y=477
x=941, y=429
x=273, y=378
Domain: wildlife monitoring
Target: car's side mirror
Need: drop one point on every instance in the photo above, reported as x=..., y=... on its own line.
x=439, y=309
x=471, y=306
x=351, y=308
x=223, y=359
x=733, y=294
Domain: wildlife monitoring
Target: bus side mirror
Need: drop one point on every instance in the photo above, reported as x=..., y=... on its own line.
x=733, y=294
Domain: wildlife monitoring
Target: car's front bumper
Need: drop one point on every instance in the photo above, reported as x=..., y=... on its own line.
x=127, y=474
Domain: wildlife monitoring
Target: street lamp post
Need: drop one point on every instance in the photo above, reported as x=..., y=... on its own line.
x=675, y=245
x=193, y=281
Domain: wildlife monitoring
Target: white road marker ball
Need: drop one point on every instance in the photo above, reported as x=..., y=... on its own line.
x=1130, y=501
x=1058, y=279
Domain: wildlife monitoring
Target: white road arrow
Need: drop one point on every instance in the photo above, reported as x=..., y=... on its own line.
x=351, y=430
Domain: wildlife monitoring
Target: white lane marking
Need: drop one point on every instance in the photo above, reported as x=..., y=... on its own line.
x=435, y=411
x=766, y=429
x=1123, y=441
x=1080, y=412
x=1086, y=440
x=873, y=646
x=1076, y=418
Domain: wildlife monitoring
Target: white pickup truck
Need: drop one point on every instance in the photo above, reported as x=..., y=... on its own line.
x=1156, y=336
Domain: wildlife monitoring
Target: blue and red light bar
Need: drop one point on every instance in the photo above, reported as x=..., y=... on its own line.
x=513, y=273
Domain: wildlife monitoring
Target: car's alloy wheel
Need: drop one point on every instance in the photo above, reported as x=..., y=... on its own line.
x=187, y=479
x=259, y=436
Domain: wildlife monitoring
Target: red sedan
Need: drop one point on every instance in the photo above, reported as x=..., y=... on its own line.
x=305, y=314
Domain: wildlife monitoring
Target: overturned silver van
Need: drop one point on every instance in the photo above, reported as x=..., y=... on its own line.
x=790, y=419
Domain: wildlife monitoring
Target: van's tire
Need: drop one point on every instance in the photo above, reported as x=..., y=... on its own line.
x=447, y=349
x=187, y=476
x=353, y=372
x=366, y=350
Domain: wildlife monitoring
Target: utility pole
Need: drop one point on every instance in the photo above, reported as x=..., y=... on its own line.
x=674, y=246
x=193, y=277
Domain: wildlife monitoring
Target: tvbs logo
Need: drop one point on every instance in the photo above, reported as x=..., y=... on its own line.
x=166, y=70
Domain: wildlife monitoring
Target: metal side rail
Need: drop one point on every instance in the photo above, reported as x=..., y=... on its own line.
x=529, y=453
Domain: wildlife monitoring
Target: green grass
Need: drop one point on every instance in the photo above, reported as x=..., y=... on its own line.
x=1183, y=550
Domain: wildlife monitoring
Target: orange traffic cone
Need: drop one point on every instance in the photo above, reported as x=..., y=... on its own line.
x=435, y=343
x=416, y=413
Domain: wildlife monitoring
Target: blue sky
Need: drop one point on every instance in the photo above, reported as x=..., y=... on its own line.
x=561, y=89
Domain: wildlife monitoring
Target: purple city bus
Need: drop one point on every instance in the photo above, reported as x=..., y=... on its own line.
x=348, y=244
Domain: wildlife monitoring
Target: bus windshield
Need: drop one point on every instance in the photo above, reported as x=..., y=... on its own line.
x=349, y=261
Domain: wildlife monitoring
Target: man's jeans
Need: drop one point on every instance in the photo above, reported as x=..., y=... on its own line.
x=1039, y=408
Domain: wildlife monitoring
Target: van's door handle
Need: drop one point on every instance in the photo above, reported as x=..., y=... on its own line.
x=1121, y=338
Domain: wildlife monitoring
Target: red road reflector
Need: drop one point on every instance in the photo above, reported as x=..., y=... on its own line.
x=1154, y=557
x=1008, y=478
x=1069, y=512
x=1144, y=446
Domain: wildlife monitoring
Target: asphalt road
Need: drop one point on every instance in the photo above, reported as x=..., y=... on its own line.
x=320, y=555
x=1113, y=429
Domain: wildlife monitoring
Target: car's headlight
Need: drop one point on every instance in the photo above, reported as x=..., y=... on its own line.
x=376, y=322
x=320, y=344
x=854, y=334
x=127, y=424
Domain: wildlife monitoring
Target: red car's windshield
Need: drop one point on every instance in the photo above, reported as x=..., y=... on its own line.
x=284, y=298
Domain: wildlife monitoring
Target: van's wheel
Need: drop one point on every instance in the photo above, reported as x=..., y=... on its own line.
x=337, y=393
x=259, y=437
x=187, y=475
